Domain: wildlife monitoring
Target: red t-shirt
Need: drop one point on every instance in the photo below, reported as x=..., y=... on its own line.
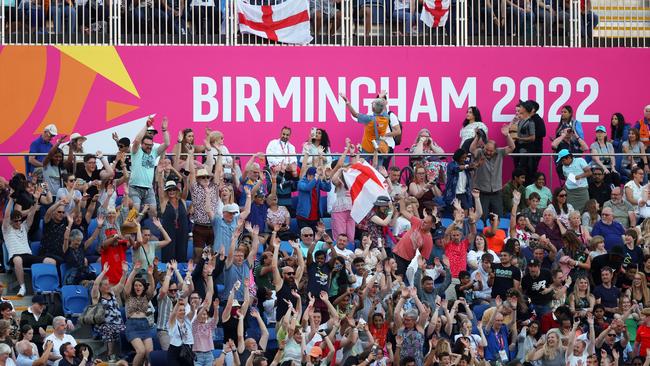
x=496, y=242
x=404, y=247
x=457, y=254
x=643, y=338
x=114, y=255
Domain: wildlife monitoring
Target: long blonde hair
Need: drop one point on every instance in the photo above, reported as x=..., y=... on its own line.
x=552, y=352
x=645, y=291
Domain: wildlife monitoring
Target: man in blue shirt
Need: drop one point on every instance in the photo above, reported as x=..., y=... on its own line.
x=609, y=229
x=236, y=268
x=43, y=144
x=309, y=188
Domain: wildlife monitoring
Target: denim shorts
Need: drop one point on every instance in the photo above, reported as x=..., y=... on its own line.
x=203, y=359
x=138, y=328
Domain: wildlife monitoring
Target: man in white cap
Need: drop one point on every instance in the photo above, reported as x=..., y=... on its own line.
x=143, y=165
x=42, y=144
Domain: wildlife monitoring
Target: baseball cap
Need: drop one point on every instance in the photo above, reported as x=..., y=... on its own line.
x=562, y=154
x=38, y=299
x=533, y=262
x=152, y=129
x=382, y=201
x=601, y=129
x=231, y=207
x=51, y=128
x=169, y=185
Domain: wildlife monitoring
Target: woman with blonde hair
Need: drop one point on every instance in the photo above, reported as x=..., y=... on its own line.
x=548, y=350
x=576, y=226
x=581, y=301
x=639, y=290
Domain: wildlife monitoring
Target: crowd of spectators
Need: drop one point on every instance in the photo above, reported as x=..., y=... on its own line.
x=523, y=18
x=264, y=262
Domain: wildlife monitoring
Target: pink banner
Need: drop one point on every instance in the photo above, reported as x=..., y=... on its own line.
x=249, y=93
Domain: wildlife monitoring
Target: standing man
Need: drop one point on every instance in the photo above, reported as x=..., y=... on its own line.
x=488, y=174
x=376, y=125
x=309, y=191
x=43, y=144
x=281, y=146
x=540, y=133
x=143, y=165
x=643, y=125
x=504, y=276
x=536, y=284
x=394, y=129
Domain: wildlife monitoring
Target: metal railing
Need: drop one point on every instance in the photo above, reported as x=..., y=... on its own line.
x=546, y=164
x=564, y=23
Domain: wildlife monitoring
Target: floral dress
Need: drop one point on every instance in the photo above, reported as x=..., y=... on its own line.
x=412, y=345
x=114, y=325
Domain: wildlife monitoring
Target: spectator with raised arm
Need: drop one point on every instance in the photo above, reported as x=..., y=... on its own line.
x=139, y=333
x=104, y=294
x=143, y=164
x=238, y=267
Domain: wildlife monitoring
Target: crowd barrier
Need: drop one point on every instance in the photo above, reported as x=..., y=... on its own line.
x=547, y=163
x=564, y=23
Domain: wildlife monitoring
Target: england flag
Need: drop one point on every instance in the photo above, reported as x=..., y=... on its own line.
x=435, y=13
x=287, y=22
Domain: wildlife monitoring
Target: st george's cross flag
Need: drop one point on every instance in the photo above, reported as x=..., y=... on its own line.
x=287, y=22
x=435, y=13
x=366, y=184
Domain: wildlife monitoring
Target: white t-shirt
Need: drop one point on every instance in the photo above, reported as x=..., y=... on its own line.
x=345, y=252
x=57, y=343
x=461, y=187
x=16, y=240
x=402, y=225
x=394, y=121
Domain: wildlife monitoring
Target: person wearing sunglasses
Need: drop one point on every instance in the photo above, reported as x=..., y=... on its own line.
x=19, y=253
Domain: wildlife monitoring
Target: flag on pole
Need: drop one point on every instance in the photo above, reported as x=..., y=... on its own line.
x=287, y=22
x=435, y=13
x=366, y=184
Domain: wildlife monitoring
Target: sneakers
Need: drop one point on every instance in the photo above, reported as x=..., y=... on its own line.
x=22, y=290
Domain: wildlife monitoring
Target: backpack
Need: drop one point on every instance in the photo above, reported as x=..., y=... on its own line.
x=53, y=303
x=397, y=139
x=93, y=315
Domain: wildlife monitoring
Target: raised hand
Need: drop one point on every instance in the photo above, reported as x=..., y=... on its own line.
x=165, y=123
x=323, y=296
x=156, y=222
x=190, y=266
x=105, y=268
x=137, y=265
x=150, y=270
x=516, y=196
x=294, y=244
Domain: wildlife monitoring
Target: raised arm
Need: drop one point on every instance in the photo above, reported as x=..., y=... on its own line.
x=353, y=112
x=129, y=280
x=163, y=147
x=277, y=278
x=94, y=292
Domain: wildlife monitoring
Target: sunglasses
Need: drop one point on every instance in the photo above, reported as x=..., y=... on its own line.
x=290, y=273
x=561, y=195
x=60, y=212
x=308, y=235
x=611, y=335
x=173, y=290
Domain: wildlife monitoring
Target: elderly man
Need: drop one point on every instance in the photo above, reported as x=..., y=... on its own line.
x=550, y=229
x=488, y=175
x=59, y=338
x=27, y=357
x=609, y=229
x=623, y=211
x=377, y=125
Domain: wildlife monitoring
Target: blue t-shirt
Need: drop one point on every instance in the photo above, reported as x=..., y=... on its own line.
x=233, y=274
x=497, y=341
x=576, y=168
x=143, y=167
x=38, y=146
x=257, y=215
x=223, y=232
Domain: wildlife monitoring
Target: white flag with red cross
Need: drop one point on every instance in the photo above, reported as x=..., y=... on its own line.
x=365, y=184
x=435, y=13
x=287, y=22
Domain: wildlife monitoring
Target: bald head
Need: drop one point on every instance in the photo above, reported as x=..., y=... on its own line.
x=23, y=347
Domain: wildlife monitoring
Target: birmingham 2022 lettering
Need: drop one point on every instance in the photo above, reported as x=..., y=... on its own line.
x=309, y=99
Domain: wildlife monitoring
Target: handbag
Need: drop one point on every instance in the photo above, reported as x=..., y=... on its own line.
x=94, y=314
x=382, y=146
x=186, y=354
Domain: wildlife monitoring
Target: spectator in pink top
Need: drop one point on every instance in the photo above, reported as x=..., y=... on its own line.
x=417, y=237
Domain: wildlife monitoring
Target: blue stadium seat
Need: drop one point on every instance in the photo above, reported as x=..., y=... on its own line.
x=220, y=289
x=118, y=201
x=286, y=247
x=75, y=300
x=182, y=268
x=162, y=267
x=216, y=353
x=5, y=258
x=504, y=224
x=129, y=256
x=190, y=249
x=93, y=248
x=327, y=222
x=446, y=222
x=63, y=269
x=293, y=225
x=96, y=268
x=45, y=278
x=36, y=247
x=158, y=358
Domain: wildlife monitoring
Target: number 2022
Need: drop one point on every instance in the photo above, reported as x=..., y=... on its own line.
x=555, y=85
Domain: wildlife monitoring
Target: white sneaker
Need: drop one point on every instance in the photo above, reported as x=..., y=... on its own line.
x=22, y=291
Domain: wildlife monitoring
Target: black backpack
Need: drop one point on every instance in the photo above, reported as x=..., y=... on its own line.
x=398, y=139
